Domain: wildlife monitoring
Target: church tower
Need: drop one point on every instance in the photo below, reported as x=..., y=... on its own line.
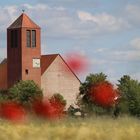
x=23, y=51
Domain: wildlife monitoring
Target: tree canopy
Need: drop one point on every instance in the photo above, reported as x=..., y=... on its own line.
x=130, y=95
x=25, y=92
x=92, y=83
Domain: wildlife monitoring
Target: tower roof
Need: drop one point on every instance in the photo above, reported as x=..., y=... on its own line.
x=23, y=21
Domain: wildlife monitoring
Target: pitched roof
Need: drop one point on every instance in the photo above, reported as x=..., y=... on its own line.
x=46, y=61
x=23, y=21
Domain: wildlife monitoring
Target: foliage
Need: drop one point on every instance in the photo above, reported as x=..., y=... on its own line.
x=104, y=94
x=58, y=103
x=90, y=80
x=84, y=99
x=4, y=96
x=50, y=109
x=58, y=98
x=12, y=111
x=130, y=95
x=25, y=92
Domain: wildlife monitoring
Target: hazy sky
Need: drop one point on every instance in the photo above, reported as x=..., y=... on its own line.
x=105, y=31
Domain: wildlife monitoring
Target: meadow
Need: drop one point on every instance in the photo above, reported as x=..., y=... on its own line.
x=95, y=128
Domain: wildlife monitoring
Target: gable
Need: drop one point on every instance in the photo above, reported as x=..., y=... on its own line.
x=46, y=61
x=58, y=63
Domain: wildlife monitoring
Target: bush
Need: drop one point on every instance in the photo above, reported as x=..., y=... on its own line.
x=86, y=102
x=58, y=98
x=58, y=103
x=104, y=94
x=4, y=96
x=130, y=95
x=25, y=92
x=50, y=109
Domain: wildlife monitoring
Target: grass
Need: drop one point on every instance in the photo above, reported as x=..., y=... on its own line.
x=100, y=128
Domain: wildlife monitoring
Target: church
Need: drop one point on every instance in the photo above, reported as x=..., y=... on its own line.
x=25, y=62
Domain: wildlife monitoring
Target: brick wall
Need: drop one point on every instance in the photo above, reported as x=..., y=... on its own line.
x=3, y=76
x=27, y=56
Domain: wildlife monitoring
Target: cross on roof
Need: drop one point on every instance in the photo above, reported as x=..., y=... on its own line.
x=23, y=10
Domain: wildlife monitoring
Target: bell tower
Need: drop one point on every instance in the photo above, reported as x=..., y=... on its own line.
x=23, y=51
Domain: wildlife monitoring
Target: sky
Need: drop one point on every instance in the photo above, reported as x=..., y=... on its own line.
x=106, y=32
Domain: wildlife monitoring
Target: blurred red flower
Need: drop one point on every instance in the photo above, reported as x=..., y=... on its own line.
x=48, y=110
x=58, y=106
x=77, y=62
x=12, y=111
x=104, y=94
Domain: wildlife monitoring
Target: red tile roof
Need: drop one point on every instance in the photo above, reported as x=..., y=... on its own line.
x=23, y=21
x=46, y=61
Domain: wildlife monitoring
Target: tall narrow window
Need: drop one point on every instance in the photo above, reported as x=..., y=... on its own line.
x=14, y=38
x=27, y=71
x=33, y=38
x=28, y=38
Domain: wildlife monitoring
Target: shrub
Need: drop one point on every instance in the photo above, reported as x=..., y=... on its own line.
x=94, y=96
x=25, y=92
x=130, y=95
x=50, y=109
x=84, y=100
x=58, y=97
x=104, y=94
x=4, y=96
x=12, y=111
x=58, y=102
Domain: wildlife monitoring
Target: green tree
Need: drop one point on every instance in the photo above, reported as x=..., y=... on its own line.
x=90, y=80
x=58, y=103
x=25, y=92
x=84, y=100
x=130, y=95
x=58, y=98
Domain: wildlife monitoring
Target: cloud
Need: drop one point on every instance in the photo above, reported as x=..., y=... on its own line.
x=135, y=43
x=133, y=10
x=61, y=23
x=131, y=13
x=121, y=56
x=72, y=3
x=103, y=21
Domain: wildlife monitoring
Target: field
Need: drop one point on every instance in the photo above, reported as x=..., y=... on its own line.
x=103, y=128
